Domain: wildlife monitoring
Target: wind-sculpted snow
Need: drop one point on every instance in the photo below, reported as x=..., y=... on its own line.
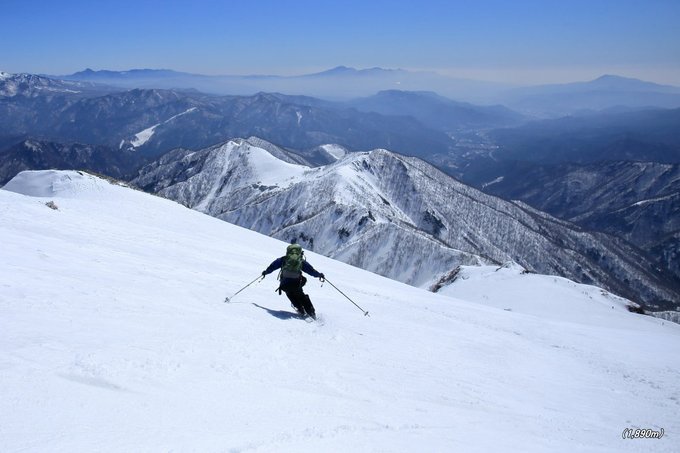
x=394, y=215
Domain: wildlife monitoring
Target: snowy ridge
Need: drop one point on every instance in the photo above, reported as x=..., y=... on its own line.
x=123, y=344
x=279, y=153
x=393, y=215
x=235, y=166
x=55, y=183
x=318, y=206
x=511, y=288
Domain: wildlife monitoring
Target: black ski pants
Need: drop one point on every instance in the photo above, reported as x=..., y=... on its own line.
x=300, y=300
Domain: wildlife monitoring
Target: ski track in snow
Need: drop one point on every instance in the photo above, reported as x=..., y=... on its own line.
x=114, y=337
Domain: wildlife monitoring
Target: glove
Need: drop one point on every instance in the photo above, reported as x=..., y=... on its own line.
x=264, y=273
x=322, y=277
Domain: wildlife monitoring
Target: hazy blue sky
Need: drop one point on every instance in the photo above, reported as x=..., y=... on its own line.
x=513, y=41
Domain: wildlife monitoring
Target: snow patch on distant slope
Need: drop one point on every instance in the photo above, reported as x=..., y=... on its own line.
x=495, y=181
x=654, y=200
x=144, y=136
x=336, y=151
x=32, y=145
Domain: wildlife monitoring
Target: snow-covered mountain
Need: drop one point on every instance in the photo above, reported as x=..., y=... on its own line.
x=114, y=337
x=638, y=201
x=31, y=86
x=393, y=215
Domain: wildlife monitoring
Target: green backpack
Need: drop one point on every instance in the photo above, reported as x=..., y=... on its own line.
x=292, y=265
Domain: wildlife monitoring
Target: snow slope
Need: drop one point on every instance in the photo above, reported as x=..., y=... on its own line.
x=511, y=288
x=114, y=337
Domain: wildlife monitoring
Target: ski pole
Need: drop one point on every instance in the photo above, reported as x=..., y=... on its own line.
x=331, y=283
x=258, y=278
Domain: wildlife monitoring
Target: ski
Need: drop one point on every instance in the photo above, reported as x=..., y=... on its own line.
x=305, y=317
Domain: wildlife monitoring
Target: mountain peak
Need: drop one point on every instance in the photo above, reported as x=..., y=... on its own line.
x=612, y=78
x=616, y=82
x=342, y=68
x=89, y=73
x=338, y=70
x=606, y=77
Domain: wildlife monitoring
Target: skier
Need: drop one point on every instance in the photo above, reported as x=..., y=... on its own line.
x=292, y=280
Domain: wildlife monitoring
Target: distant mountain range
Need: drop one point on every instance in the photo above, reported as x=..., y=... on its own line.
x=638, y=201
x=615, y=172
x=642, y=135
x=344, y=83
x=606, y=92
x=153, y=122
x=395, y=215
x=437, y=111
x=340, y=83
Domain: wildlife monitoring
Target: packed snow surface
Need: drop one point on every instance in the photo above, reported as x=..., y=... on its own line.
x=114, y=336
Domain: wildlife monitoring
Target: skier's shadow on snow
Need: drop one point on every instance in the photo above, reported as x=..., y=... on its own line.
x=280, y=314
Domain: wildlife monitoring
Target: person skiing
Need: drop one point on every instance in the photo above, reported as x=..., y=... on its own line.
x=291, y=279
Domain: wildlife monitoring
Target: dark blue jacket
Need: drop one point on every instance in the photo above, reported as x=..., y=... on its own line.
x=306, y=267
